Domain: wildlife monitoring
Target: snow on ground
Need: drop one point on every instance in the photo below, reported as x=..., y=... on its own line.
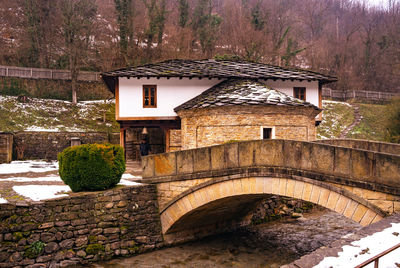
x=26, y=179
x=366, y=248
x=130, y=176
x=3, y=201
x=28, y=166
x=41, y=192
x=128, y=183
x=336, y=102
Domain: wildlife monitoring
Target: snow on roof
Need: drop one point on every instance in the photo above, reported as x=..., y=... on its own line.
x=241, y=92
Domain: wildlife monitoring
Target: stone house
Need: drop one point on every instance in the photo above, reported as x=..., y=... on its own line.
x=182, y=104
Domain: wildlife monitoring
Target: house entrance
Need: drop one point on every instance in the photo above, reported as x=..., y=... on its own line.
x=133, y=136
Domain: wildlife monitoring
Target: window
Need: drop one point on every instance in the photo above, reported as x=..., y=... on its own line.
x=267, y=133
x=299, y=93
x=149, y=96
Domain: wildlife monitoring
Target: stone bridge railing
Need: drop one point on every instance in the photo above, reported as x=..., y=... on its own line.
x=347, y=166
x=376, y=146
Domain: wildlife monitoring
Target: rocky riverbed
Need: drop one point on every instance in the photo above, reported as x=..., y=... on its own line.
x=265, y=245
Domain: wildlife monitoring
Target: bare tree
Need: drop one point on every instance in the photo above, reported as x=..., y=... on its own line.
x=78, y=18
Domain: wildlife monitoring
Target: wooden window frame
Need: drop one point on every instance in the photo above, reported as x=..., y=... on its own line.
x=155, y=96
x=299, y=89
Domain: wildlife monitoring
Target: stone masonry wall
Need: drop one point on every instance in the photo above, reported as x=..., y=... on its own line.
x=206, y=127
x=6, y=144
x=46, y=145
x=80, y=229
x=169, y=190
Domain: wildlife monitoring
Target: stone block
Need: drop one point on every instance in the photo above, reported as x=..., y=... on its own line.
x=231, y=155
x=368, y=218
x=332, y=200
x=388, y=169
x=269, y=153
x=323, y=197
x=298, y=189
x=184, y=161
x=218, y=157
x=341, y=204
x=246, y=153
x=282, y=186
x=307, y=192
x=165, y=164
x=362, y=165
x=202, y=159
x=342, y=161
x=385, y=205
x=350, y=208
x=306, y=156
x=315, y=193
x=147, y=166
x=322, y=158
x=273, y=185
x=359, y=213
x=292, y=154
x=290, y=187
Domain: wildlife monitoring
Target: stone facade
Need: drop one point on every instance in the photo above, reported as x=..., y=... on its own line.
x=206, y=127
x=169, y=190
x=80, y=229
x=6, y=145
x=46, y=145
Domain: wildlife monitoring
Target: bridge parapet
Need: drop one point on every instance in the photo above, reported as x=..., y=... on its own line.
x=348, y=166
x=376, y=146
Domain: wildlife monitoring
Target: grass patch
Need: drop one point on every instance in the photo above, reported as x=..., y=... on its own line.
x=56, y=115
x=372, y=125
x=336, y=117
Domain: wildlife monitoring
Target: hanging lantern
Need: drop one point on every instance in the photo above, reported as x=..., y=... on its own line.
x=144, y=131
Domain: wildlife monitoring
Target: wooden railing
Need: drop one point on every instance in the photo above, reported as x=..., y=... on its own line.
x=328, y=93
x=377, y=257
x=40, y=73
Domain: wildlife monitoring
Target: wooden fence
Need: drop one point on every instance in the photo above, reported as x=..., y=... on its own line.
x=39, y=73
x=363, y=95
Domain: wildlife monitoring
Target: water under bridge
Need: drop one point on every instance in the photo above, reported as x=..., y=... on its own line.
x=205, y=190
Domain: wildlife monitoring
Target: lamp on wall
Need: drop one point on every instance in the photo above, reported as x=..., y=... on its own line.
x=144, y=130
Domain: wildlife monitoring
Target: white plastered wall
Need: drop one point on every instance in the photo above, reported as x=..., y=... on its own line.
x=170, y=94
x=287, y=88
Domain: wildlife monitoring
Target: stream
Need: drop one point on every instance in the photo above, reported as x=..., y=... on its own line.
x=265, y=245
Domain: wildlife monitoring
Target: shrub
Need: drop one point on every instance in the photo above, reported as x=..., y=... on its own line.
x=393, y=122
x=91, y=167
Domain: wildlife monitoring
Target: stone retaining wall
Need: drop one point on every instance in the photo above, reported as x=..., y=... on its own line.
x=80, y=229
x=46, y=145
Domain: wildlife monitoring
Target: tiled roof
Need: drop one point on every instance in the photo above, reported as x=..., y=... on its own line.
x=241, y=92
x=217, y=69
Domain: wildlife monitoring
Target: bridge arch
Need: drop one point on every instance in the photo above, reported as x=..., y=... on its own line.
x=220, y=199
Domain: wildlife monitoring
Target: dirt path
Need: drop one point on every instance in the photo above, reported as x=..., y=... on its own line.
x=357, y=120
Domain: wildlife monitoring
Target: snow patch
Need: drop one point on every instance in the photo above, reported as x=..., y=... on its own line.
x=336, y=102
x=130, y=176
x=42, y=192
x=26, y=179
x=28, y=166
x=128, y=183
x=3, y=201
x=366, y=248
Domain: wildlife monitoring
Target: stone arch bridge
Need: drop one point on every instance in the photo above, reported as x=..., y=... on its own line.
x=205, y=190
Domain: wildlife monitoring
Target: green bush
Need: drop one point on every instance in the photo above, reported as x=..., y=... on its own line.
x=91, y=167
x=393, y=122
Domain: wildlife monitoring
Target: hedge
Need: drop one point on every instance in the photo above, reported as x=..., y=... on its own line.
x=91, y=167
